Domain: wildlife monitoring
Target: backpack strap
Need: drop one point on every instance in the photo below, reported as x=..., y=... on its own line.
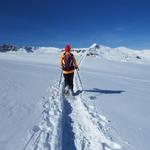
x=68, y=61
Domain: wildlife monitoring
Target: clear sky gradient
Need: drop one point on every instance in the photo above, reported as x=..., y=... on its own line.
x=78, y=22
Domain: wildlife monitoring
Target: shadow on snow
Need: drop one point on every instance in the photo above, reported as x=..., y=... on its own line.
x=78, y=92
x=67, y=133
x=100, y=91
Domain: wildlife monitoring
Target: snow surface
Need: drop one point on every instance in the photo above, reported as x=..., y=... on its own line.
x=111, y=113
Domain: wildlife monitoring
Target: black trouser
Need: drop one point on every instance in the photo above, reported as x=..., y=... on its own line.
x=69, y=80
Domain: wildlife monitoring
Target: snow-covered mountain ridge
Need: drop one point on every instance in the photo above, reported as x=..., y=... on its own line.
x=122, y=54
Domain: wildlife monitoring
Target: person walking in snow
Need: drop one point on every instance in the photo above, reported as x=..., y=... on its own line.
x=68, y=64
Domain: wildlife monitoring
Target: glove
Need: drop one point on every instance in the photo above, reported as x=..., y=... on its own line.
x=77, y=68
x=62, y=67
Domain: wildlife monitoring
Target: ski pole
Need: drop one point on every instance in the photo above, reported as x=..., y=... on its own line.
x=60, y=78
x=84, y=56
x=80, y=79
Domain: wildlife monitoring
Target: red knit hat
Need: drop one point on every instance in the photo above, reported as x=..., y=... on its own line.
x=67, y=48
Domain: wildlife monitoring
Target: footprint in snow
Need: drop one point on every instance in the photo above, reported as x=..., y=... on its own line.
x=92, y=97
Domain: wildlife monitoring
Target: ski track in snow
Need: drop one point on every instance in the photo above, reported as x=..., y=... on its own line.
x=88, y=133
x=69, y=123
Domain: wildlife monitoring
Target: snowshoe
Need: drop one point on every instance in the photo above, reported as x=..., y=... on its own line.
x=66, y=91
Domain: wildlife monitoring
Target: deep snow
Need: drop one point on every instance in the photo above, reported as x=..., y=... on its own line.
x=22, y=86
x=111, y=113
x=120, y=91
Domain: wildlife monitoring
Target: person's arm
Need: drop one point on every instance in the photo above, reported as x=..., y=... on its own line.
x=61, y=61
x=75, y=62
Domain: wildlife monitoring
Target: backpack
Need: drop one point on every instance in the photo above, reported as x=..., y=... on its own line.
x=68, y=62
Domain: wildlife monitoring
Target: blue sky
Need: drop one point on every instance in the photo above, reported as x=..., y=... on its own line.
x=78, y=22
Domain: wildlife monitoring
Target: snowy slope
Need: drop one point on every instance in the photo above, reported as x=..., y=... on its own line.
x=22, y=87
x=120, y=91
x=121, y=54
x=111, y=113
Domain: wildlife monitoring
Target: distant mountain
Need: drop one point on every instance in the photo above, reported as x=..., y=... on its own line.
x=6, y=48
x=12, y=48
x=27, y=49
x=95, y=50
x=119, y=53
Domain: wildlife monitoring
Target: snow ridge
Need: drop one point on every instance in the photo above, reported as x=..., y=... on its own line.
x=120, y=54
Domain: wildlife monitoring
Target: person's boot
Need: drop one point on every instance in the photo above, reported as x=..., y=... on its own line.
x=71, y=92
x=66, y=91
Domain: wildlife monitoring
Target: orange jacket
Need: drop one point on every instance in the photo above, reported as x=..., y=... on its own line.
x=61, y=63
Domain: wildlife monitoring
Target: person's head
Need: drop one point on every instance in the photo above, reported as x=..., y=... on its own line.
x=67, y=48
